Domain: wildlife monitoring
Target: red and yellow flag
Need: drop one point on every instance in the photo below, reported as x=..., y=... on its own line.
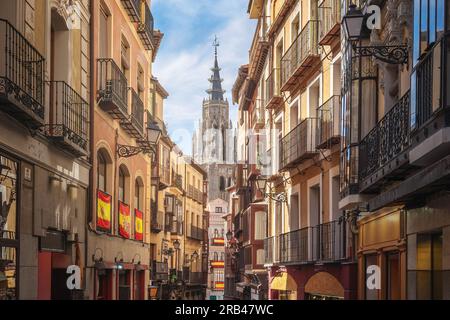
x=217, y=264
x=220, y=285
x=218, y=242
x=104, y=211
x=138, y=225
x=124, y=220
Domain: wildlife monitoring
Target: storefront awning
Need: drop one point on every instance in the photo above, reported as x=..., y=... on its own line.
x=283, y=282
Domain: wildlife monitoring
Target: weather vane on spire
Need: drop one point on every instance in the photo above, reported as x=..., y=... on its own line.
x=216, y=44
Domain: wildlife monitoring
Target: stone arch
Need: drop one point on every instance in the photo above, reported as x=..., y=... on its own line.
x=326, y=284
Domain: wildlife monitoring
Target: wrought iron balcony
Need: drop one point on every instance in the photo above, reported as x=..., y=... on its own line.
x=258, y=50
x=196, y=233
x=296, y=246
x=330, y=242
x=160, y=271
x=134, y=125
x=273, y=92
x=299, y=144
x=69, y=115
x=383, y=152
x=133, y=8
x=197, y=278
x=329, y=123
x=146, y=27
x=164, y=175
x=21, y=77
x=157, y=218
x=112, y=93
x=272, y=250
x=177, y=181
x=301, y=56
x=330, y=21
x=258, y=114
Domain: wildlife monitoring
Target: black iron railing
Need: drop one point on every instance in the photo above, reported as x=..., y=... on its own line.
x=306, y=44
x=197, y=278
x=296, y=246
x=146, y=27
x=159, y=271
x=157, y=218
x=328, y=123
x=112, y=88
x=330, y=241
x=389, y=139
x=137, y=111
x=196, y=233
x=330, y=18
x=177, y=181
x=425, y=89
x=69, y=115
x=21, y=73
x=273, y=93
x=133, y=9
x=299, y=144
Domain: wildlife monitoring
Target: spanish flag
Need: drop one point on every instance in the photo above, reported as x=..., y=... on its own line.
x=220, y=285
x=124, y=220
x=218, y=241
x=138, y=225
x=103, y=211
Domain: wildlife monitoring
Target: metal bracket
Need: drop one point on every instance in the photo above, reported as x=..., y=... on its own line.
x=392, y=54
x=124, y=151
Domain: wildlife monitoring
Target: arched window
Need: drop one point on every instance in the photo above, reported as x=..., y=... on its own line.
x=138, y=194
x=122, y=184
x=101, y=172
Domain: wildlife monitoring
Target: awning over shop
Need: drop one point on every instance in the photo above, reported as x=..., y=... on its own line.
x=283, y=282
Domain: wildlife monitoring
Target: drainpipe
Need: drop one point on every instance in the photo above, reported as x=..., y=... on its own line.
x=90, y=197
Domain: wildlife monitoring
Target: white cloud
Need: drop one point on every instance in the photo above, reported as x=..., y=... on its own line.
x=183, y=67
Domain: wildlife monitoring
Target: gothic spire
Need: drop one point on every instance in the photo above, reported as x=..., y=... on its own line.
x=216, y=92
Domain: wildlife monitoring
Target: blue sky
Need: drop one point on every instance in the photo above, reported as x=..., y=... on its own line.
x=186, y=56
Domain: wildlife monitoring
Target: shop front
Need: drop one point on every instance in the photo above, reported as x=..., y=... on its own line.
x=9, y=242
x=382, y=255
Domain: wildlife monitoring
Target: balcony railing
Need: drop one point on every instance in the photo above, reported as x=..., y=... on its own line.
x=160, y=271
x=164, y=175
x=258, y=115
x=146, y=27
x=133, y=9
x=196, y=233
x=21, y=77
x=259, y=49
x=328, y=123
x=177, y=181
x=296, y=246
x=273, y=92
x=330, y=19
x=299, y=144
x=69, y=119
x=112, y=94
x=386, y=142
x=157, y=218
x=134, y=124
x=197, y=278
x=330, y=242
x=302, y=54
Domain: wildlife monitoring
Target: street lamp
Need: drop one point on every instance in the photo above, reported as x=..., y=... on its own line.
x=353, y=24
x=146, y=146
x=261, y=184
x=229, y=235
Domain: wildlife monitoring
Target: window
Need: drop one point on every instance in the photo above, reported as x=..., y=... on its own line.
x=103, y=32
x=140, y=82
x=138, y=194
x=294, y=213
x=218, y=209
x=260, y=225
x=125, y=57
x=429, y=280
x=101, y=172
x=222, y=183
x=122, y=178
